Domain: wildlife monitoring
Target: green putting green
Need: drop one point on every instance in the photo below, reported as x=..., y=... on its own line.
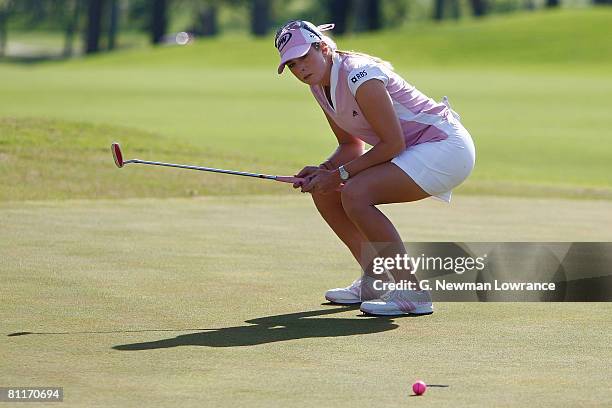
x=191, y=302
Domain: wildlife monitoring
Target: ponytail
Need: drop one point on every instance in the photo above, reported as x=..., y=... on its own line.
x=332, y=44
x=361, y=54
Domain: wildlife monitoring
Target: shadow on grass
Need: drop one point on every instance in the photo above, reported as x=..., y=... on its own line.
x=271, y=329
x=25, y=333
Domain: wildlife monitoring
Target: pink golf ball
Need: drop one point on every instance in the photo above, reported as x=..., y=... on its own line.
x=419, y=387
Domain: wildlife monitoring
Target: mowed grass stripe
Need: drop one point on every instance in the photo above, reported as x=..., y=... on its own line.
x=534, y=144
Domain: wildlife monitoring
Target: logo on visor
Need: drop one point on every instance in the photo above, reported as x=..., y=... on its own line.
x=282, y=41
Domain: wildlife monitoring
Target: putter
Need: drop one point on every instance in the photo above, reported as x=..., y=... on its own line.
x=118, y=156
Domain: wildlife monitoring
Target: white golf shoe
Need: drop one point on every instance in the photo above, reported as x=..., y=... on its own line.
x=400, y=302
x=345, y=296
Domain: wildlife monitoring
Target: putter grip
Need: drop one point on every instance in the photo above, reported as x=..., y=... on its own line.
x=289, y=179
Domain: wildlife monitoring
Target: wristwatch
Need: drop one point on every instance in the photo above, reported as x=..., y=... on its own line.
x=344, y=175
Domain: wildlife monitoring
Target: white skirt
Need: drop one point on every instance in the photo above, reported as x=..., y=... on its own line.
x=438, y=167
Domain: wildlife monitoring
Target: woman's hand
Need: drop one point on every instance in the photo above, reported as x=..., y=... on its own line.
x=306, y=173
x=323, y=181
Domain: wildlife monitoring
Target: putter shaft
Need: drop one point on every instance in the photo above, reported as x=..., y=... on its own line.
x=184, y=166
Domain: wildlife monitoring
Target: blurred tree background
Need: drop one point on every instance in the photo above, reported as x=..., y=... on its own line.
x=35, y=29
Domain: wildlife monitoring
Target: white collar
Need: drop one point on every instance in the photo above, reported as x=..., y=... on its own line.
x=333, y=79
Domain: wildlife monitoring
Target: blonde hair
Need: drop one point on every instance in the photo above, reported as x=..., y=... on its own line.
x=332, y=44
x=373, y=58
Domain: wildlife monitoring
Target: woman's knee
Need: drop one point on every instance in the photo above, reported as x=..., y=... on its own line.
x=326, y=199
x=327, y=202
x=354, y=198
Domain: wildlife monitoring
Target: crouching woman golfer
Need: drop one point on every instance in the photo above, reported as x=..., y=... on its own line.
x=419, y=150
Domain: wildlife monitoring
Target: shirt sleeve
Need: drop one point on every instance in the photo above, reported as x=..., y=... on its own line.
x=364, y=73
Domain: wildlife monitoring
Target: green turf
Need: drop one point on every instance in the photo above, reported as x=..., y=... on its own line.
x=539, y=122
x=122, y=280
x=129, y=287
x=42, y=159
x=547, y=38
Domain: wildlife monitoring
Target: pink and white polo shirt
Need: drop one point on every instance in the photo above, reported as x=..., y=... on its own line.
x=421, y=118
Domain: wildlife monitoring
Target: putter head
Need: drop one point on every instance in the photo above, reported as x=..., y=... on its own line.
x=117, y=154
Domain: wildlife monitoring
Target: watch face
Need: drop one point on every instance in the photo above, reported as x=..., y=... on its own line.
x=343, y=173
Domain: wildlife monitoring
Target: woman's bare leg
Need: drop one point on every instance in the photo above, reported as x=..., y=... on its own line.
x=382, y=184
x=331, y=209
